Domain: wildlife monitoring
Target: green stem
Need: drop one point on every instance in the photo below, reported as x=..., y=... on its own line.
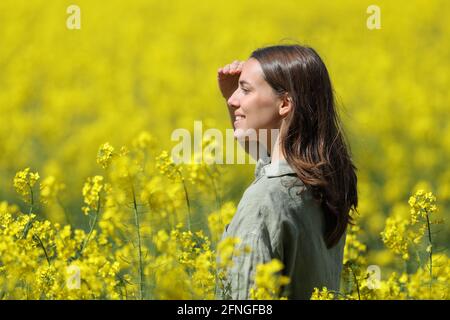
x=216, y=193
x=186, y=195
x=430, y=253
x=85, y=242
x=32, y=199
x=30, y=222
x=43, y=247
x=141, y=268
x=356, y=282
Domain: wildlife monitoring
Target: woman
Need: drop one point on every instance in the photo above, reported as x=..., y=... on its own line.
x=298, y=207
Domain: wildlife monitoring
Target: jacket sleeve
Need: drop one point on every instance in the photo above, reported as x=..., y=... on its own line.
x=241, y=275
x=271, y=234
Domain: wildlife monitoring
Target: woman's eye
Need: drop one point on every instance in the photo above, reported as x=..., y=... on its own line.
x=245, y=90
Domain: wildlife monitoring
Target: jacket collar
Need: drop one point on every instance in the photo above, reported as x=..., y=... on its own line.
x=264, y=166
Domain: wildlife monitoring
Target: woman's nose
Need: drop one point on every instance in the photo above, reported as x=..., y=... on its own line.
x=233, y=101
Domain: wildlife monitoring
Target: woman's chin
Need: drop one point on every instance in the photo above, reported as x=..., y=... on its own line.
x=245, y=134
x=240, y=134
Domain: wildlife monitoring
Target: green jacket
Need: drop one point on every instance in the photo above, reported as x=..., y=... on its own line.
x=277, y=223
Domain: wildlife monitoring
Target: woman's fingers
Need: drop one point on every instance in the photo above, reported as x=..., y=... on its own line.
x=232, y=68
x=228, y=78
x=236, y=67
x=226, y=69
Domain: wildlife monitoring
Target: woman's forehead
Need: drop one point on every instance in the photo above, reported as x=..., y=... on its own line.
x=251, y=73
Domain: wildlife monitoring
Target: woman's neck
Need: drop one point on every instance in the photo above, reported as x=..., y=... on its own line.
x=276, y=155
x=272, y=149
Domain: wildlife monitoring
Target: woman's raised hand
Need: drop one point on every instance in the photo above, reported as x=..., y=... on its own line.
x=228, y=78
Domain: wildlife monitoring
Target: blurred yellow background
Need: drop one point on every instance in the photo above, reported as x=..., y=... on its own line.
x=143, y=65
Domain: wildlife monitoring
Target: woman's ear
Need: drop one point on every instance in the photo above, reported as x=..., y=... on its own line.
x=286, y=105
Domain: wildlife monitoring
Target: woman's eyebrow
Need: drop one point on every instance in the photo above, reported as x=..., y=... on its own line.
x=241, y=82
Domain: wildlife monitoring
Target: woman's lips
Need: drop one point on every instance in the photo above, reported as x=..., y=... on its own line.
x=238, y=119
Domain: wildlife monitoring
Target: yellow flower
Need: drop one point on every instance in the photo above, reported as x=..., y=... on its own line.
x=354, y=250
x=323, y=294
x=23, y=183
x=50, y=189
x=217, y=220
x=160, y=240
x=91, y=193
x=268, y=282
x=168, y=168
x=144, y=140
x=226, y=250
x=422, y=205
x=105, y=155
x=394, y=236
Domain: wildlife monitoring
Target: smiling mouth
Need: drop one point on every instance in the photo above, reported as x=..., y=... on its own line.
x=239, y=118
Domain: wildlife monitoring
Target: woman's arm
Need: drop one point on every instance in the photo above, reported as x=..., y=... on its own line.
x=241, y=276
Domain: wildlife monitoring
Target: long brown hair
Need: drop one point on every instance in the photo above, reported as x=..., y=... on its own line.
x=312, y=139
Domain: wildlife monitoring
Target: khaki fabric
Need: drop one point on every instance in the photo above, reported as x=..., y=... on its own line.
x=276, y=222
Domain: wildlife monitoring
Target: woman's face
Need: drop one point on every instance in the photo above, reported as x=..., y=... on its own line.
x=255, y=104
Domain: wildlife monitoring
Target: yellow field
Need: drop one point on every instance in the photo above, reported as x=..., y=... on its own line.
x=102, y=221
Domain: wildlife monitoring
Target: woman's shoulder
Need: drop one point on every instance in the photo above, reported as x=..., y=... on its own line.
x=273, y=199
x=276, y=196
x=280, y=184
x=273, y=195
